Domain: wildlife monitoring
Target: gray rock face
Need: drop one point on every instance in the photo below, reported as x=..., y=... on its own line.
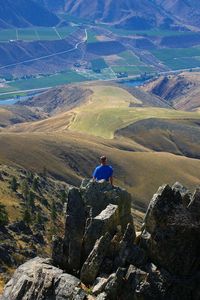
x=92, y=211
x=171, y=234
x=98, y=195
x=100, y=246
x=39, y=280
x=74, y=230
x=106, y=221
x=92, y=265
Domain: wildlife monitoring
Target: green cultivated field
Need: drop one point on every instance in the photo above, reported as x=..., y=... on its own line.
x=99, y=64
x=42, y=82
x=132, y=70
x=182, y=58
x=47, y=34
x=91, y=37
x=7, y=35
x=36, y=33
x=49, y=81
x=27, y=34
x=151, y=32
x=130, y=58
x=66, y=31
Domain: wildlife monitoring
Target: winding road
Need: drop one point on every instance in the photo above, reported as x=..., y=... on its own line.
x=84, y=40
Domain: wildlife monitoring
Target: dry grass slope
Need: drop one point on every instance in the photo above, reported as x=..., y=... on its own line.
x=73, y=156
x=183, y=90
x=69, y=142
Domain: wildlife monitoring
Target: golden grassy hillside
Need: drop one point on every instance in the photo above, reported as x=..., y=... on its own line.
x=107, y=109
x=69, y=142
x=73, y=156
x=182, y=90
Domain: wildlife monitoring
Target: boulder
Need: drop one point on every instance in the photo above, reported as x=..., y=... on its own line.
x=115, y=284
x=99, y=285
x=102, y=296
x=106, y=221
x=39, y=280
x=129, y=252
x=92, y=264
x=98, y=195
x=171, y=232
x=185, y=193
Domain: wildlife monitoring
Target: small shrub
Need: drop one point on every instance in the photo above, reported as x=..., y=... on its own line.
x=3, y=215
x=14, y=184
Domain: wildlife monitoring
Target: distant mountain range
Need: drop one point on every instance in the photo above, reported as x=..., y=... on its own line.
x=24, y=13
x=128, y=14
x=187, y=11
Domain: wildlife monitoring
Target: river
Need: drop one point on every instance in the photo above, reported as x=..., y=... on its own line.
x=14, y=100
x=133, y=82
x=127, y=82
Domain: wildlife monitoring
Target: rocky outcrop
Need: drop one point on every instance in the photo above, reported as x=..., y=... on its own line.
x=171, y=235
x=92, y=265
x=74, y=230
x=100, y=247
x=92, y=211
x=38, y=279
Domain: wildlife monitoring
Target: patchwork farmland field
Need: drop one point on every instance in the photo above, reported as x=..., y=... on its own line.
x=130, y=58
x=179, y=58
x=152, y=32
x=36, y=33
x=99, y=64
x=132, y=70
x=42, y=82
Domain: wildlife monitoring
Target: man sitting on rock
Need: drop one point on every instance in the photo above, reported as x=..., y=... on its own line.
x=104, y=171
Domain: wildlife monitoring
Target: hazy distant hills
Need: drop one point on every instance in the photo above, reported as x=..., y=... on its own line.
x=23, y=13
x=181, y=91
x=187, y=11
x=140, y=14
x=127, y=14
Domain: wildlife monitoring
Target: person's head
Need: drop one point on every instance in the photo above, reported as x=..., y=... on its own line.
x=103, y=160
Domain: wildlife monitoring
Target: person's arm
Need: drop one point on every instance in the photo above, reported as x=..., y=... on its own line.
x=111, y=180
x=94, y=175
x=111, y=176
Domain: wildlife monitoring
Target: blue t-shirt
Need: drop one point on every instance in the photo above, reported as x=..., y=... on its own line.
x=103, y=172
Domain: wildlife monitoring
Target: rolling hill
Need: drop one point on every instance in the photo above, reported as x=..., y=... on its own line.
x=71, y=156
x=22, y=13
x=90, y=119
x=147, y=142
x=180, y=137
x=181, y=91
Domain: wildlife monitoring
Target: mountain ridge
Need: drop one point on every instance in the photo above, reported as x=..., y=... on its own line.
x=22, y=13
